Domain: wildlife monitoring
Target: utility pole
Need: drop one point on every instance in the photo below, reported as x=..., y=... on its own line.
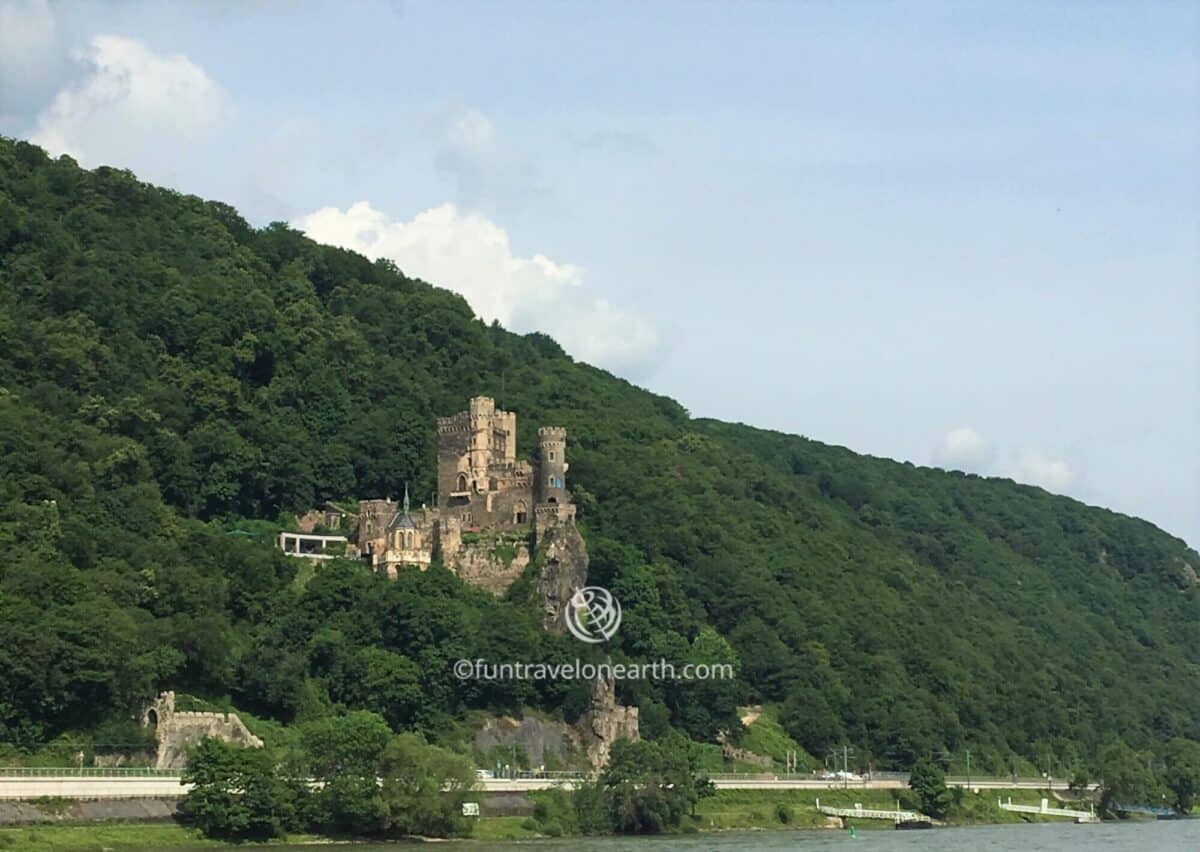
x=845, y=771
x=968, y=770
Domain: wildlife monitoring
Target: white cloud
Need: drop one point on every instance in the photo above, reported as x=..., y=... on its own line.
x=1054, y=475
x=484, y=169
x=131, y=102
x=471, y=255
x=963, y=449
x=967, y=450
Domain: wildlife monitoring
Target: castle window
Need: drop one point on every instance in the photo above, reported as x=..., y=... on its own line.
x=550, y=481
x=520, y=513
x=462, y=482
x=552, y=455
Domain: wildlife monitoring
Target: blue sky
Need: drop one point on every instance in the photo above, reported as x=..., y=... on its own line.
x=957, y=234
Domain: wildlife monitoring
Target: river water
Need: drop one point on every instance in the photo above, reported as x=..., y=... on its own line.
x=1167, y=836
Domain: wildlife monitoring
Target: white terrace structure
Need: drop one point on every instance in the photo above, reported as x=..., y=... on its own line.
x=310, y=546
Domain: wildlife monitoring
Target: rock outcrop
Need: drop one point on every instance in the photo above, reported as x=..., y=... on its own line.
x=537, y=738
x=606, y=721
x=176, y=730
x=563, y=572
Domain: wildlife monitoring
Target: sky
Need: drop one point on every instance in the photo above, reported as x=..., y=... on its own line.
x=965, y=235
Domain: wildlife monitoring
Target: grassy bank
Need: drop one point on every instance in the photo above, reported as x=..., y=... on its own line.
x=101, y=836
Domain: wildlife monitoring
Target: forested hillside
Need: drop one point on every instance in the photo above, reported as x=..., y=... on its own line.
x=172, y=379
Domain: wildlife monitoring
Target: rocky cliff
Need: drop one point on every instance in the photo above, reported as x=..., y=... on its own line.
x=562, y=571
x=538, y=739
x=606, y=721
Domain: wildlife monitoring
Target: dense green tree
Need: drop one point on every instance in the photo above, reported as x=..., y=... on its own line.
x=1125, y=779
x=1183, y=773
x=343, y=754
x=236, y=793
x=703, y=708
x=928, y=784
x=424, y=788
x=648, y=786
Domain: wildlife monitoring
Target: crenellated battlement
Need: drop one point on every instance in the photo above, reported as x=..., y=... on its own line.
x=177, y=730
x=482, y=488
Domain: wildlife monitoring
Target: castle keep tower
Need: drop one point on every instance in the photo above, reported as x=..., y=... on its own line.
x=552, y=465
x=477, y=457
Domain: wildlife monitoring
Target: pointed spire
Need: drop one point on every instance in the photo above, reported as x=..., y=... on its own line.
x=402, y=519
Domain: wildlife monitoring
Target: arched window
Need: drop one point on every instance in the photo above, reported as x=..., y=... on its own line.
x=520, y=513
x=462, y=482
x=408, y=540
x=550, y=480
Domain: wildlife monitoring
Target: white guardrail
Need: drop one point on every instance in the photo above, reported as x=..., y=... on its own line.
x=859, y=812
x=1046, y=810
x=86, y=772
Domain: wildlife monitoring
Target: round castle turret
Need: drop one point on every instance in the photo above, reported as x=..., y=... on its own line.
x=551, y=480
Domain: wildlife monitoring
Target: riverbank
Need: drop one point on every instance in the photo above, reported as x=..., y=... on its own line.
x=727, y=810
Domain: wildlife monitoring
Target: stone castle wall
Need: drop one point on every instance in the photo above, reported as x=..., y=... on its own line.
x=176, y=731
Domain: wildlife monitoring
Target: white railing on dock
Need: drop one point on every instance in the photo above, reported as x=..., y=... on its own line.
x=1046, y=810
x=859, y=812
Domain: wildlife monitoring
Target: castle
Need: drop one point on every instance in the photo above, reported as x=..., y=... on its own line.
x=492, y=513
x=482, y=488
